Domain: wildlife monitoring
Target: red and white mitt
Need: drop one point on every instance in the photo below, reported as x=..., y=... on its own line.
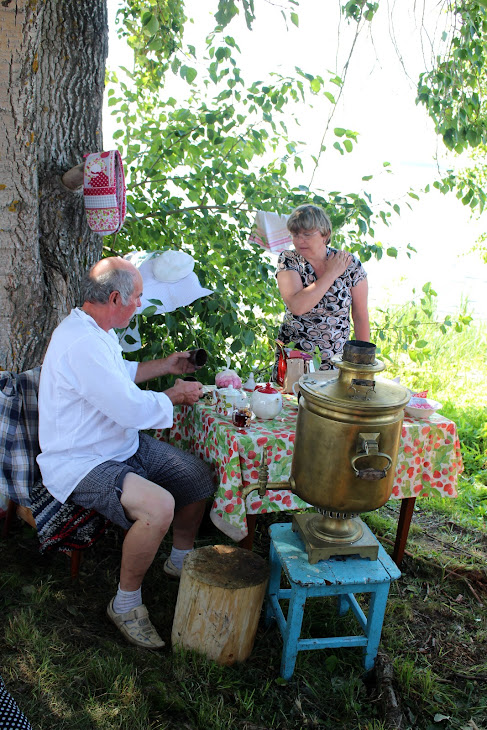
x=104, y=192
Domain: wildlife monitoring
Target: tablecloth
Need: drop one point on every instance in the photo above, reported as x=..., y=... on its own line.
x=429, y=459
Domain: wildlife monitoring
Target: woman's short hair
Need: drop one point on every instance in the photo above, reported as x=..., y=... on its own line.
x=98, y=288
x=308, y=218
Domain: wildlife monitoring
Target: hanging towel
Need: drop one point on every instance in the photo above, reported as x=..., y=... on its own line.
x=104, y=192
x=269, y=231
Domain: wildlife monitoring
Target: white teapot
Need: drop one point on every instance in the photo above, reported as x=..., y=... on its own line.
x=266, y=401
x=229, y=398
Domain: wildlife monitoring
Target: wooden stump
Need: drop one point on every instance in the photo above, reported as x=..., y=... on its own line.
x=219, y=601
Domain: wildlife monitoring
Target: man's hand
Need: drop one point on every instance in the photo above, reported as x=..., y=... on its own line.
x=175, y=364
x=178, y=363
x=184, y=392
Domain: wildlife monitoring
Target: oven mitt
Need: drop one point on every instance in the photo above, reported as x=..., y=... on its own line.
x=104, y=192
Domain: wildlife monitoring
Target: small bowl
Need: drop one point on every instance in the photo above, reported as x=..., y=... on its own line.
x=422, y=407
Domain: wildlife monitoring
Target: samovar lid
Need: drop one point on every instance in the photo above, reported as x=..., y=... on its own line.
x=354, y=385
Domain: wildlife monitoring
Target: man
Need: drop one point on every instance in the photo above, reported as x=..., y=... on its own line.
x=90, y=415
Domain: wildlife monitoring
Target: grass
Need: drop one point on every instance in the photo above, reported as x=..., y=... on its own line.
x=67, y=666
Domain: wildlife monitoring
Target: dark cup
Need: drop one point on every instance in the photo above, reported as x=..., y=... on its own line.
x=198, y=358
x=241, y=417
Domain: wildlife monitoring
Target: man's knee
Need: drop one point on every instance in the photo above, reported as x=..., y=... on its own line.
x=157, y=510
x=147, y=502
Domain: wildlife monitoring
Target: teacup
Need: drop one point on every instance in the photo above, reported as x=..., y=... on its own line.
x=241, y=416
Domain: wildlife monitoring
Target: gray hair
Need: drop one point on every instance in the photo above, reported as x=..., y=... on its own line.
x=308, y=218
x=98, y=288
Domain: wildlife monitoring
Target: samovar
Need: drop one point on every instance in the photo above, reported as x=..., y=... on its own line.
x=347, y=439
x=345, y=451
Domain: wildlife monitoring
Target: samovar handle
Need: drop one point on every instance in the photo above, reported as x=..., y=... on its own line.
x=370, y=474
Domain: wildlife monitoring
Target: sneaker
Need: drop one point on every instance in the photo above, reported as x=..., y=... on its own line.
x=136, y=627
x=170, y=569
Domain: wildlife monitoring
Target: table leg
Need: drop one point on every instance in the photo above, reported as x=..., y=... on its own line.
x=248, y=542
x=9, y=516
x=405, y=515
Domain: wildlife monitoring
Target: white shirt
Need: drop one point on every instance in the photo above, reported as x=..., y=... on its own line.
x=90, y=409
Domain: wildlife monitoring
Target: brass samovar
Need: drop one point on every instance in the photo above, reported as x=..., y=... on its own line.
x=347, y=439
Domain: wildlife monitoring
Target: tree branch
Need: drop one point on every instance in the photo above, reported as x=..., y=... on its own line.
x=73, y=178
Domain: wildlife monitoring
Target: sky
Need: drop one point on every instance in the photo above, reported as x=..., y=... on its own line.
x=379, y=103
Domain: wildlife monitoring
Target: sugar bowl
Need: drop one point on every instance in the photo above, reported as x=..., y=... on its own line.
x=227, y=399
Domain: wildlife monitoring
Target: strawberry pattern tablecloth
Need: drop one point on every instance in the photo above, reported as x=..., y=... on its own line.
x=429, y=459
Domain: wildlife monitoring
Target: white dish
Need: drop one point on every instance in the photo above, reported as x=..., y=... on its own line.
x=422, y=407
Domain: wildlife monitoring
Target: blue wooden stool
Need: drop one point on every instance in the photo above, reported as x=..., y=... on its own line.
x=337, y=576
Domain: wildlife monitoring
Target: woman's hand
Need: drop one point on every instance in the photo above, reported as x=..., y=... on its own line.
x=337, y=263
x=300, y=300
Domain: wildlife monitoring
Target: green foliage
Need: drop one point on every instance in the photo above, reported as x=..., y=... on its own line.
x=468, y=185
x=453, y=92
x=199, y=167
x=358, y=9
x=452, y=369
x=471, y=422
x=228, y=9
x=153, y=30
x=406, y=335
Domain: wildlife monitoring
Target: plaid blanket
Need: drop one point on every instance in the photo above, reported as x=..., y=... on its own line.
x=59, y=526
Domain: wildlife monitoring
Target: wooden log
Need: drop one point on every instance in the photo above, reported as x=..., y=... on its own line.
x=219, y=602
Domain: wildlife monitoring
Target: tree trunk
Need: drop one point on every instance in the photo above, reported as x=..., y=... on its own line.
x=52, y=69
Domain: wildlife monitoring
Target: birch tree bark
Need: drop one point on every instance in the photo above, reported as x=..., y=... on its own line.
x=52, y=68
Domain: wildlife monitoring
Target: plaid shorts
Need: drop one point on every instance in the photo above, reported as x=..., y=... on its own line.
x=182, y=474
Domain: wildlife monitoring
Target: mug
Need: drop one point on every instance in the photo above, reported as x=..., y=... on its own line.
x=198, y=358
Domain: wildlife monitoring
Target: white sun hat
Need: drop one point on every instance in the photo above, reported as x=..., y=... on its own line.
x=162, y=296
x=171, y=266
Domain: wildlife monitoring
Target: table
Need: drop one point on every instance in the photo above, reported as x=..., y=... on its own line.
x=429, y=463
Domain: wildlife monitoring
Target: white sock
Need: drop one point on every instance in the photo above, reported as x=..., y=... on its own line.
x=177, y=557
x=127, y=600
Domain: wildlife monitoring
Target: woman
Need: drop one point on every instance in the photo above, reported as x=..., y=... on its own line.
x=319, y=286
